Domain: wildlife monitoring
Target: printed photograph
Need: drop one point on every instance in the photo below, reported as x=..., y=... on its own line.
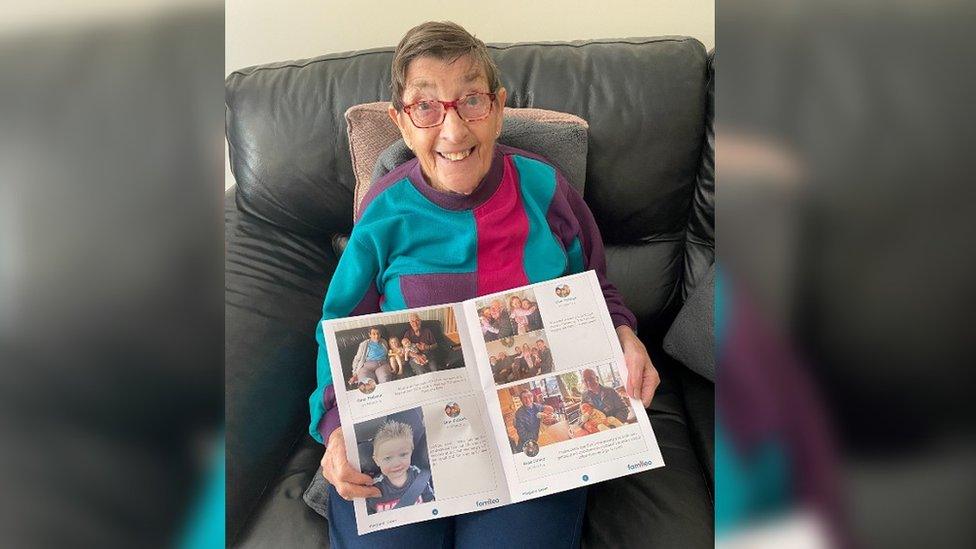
x=515, y=313
x=393, y=451
x=564, y=407
x=452, y=409
x=519, y=357
x=562, y=290
x=398, y=346
x=367, y=386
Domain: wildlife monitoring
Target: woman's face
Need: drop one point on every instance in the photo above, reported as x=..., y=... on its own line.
x=456, y=155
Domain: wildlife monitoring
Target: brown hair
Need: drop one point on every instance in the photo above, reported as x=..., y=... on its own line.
x=442, y=40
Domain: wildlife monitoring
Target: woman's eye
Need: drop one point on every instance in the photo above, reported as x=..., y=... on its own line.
x=424, y=106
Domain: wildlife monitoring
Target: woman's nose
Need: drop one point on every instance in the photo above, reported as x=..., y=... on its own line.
x=454, y=127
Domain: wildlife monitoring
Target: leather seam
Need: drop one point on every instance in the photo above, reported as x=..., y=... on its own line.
x=247, y=71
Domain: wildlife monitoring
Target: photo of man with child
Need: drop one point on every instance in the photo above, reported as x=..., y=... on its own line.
x=396, y=350
x=564, y=407
x=515, y=314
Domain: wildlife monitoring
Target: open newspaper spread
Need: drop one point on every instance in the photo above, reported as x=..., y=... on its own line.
x=495, y=400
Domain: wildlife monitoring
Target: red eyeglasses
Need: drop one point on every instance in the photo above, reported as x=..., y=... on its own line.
x=428, y=113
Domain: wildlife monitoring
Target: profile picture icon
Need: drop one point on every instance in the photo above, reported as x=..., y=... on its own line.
x=531, y=448
x=452, y=409
x=562, y=290
x=366, y=387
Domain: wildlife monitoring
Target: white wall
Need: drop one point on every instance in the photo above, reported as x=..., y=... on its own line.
x=262, y=31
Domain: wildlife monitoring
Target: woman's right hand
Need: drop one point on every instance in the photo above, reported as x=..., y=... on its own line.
x=348, y=482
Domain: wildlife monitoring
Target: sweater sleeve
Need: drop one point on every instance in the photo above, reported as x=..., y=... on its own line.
x=572, y=220
x=351, y=292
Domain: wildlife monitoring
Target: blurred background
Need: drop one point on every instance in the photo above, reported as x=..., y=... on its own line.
x=111, y=124
x=845, y=233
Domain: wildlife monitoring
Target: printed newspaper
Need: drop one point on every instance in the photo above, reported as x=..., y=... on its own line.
x=495, y=400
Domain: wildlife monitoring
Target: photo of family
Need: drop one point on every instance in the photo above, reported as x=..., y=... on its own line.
x=403, y=346
x=452, y=409
x=564, y=407
x=393, y=450
x=517, y=313
x=519, y=357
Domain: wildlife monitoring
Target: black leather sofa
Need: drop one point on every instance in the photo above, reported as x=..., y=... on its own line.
x=650, y=184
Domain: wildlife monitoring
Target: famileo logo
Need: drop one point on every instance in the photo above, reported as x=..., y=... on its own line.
x=484, y=502
x=638, y=465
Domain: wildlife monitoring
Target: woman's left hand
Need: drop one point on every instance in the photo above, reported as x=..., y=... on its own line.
x=642, y=377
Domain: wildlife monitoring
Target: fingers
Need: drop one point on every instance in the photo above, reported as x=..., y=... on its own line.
x=348, y=482
x=651, y=380
x=350, y=491
x=634, y=372
x=345, y=473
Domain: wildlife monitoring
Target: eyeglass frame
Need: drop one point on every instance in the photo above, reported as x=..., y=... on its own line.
x=447, y=105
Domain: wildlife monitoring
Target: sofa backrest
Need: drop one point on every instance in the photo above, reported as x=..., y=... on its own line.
x=646, y=102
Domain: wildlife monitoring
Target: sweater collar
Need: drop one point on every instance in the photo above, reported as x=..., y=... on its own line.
x=456, y=201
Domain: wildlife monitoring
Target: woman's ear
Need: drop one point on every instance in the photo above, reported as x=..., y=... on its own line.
x=395, y=117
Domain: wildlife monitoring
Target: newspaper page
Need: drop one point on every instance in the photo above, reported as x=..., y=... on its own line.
x=413, y=416
x=553, y=375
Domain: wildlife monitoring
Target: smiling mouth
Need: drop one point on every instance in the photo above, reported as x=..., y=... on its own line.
x=456, y=156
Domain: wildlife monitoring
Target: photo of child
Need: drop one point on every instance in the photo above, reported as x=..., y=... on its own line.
x=398, y=356
x=393, y=450
x=563, y=407
x=562, y=290
x=397, y=346
x=517, y=313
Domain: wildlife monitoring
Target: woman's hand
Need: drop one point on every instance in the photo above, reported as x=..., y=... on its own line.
x=348, y=482
x=642, y=377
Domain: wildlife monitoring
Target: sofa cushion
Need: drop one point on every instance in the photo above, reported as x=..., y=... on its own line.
x=691, y=338
x=376, y=147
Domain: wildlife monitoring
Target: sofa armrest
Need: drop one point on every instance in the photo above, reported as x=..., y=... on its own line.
x=275, y=281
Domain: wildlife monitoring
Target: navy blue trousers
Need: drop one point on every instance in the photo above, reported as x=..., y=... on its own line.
x=553, y=521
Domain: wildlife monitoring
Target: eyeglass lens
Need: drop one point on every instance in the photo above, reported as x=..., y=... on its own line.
x=470, y=108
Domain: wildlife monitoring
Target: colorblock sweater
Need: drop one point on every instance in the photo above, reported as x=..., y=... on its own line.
x=414, y=246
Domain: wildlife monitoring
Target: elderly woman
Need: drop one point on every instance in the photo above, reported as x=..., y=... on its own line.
x=372, y=360
x=466, y=217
